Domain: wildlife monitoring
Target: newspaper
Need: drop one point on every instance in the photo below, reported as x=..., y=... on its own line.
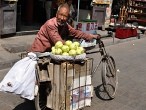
x=81, y=93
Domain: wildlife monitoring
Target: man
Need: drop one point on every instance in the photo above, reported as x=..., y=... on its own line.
x=55, y=30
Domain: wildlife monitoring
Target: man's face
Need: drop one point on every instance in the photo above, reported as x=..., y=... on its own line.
x=62, y=16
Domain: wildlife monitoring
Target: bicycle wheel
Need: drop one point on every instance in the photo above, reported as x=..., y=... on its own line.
x=41, y=98
x=109, y=76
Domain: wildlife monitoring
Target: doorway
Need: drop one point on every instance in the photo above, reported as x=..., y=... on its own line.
x=30, y=15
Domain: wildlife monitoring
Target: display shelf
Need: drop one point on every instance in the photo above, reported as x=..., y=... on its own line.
x=138, y=7
x=139, y=1
x=138, y=20
x=137, y=12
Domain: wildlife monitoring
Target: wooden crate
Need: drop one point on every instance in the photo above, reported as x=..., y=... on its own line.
x=69, y=85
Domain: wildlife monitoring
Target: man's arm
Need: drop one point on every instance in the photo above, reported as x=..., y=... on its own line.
x=54, y=34
x=79, y=34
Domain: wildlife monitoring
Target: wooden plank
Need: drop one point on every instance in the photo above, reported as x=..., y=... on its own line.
x=50, y=96
x=43, y=72
x=56, y=85
x=44, y=76
x=62, y=87
x=82, y=67
x=69, y=82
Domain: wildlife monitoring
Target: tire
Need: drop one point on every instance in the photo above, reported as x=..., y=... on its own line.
x=41, y=98
x=109, y=76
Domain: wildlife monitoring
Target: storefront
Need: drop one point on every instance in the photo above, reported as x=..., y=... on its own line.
x=98, y=13
x=22, y=15
x=8, y=17
x=28, y=15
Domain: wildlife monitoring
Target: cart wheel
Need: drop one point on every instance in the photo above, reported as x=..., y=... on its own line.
x=109, y=76
x=41, y=98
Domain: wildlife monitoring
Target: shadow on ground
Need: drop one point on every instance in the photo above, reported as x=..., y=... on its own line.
x=101, y=93
x=27, y=105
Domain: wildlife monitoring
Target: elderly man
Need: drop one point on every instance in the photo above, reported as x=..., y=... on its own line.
x=55, y=29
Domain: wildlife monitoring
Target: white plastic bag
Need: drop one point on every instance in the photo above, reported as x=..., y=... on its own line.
x=21, y=77
x=85, y=43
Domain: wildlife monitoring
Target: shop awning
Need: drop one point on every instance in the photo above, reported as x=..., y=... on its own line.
x=11, y=0
x=101, y=1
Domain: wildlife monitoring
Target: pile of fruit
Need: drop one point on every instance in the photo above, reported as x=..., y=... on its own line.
x=69, y=48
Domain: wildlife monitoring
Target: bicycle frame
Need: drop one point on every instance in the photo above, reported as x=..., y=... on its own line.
x=108, y=71
x=102, y=52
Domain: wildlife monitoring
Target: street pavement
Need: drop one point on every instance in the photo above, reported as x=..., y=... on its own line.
x=11, y=49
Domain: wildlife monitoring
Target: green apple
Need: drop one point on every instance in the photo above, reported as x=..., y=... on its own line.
x=53, y=48
x=65, y=53
x=68, y=42
x=58, y=44
x=65, y=48
x=73, y=46
x=78, y=51
x=58, y=51
x=53, y=51
x=72, y=52
x=76, y=43
x=81, y=49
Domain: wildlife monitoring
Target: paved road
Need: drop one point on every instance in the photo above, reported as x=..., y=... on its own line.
x=131, y=60
x=131, y=95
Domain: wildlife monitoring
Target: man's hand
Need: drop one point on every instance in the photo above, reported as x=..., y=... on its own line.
x=97, y=36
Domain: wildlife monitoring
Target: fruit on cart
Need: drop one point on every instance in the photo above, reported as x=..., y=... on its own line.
x=73, y=46
x=81, y=49
x=58, y=44
x=76, y=43
x=65, y=48
x=68, y=49
x=58, y=51
x=72, y=52
x=53, y=51
x=53, y=48
x=68, y=42
x=65, y=54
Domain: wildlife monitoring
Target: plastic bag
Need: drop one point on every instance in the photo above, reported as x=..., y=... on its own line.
x=21, y=78
x=68, y=58
x=85, y=43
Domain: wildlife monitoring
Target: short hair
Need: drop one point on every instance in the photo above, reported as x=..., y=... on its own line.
x=63, y=5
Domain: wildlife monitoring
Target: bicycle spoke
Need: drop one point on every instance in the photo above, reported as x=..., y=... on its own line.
x=109, y=77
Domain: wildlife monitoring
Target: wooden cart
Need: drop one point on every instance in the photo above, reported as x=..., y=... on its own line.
x=63, y=85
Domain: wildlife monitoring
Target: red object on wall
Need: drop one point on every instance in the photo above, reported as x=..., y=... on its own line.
x=123, y=33
x=88, y=27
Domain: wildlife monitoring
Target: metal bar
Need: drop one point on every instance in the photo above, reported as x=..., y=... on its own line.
x=78, y=13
